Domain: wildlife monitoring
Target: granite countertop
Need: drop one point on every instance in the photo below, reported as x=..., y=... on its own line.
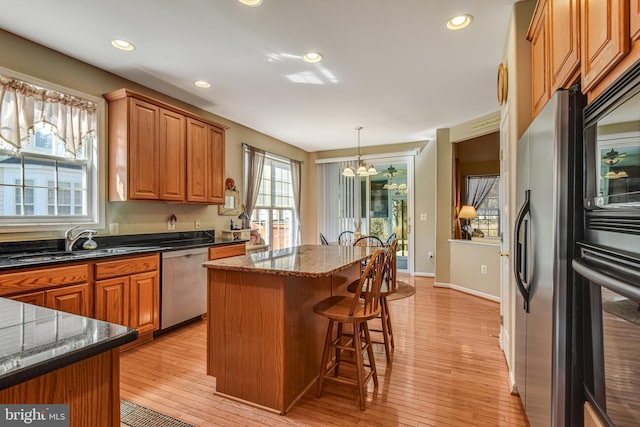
x=36, y=340
x=47, y=252
x=305, y=261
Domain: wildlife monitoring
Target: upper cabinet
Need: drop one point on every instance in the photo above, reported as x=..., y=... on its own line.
x=594, y=40
x=160, y=152
x=605, y=38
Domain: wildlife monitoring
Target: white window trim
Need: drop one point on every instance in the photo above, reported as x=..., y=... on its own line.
x=97, y=203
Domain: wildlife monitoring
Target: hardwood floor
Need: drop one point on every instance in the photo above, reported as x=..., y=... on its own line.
x=447, y=370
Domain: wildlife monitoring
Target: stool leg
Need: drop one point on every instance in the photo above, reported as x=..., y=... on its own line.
x=357, y=346
x=338, y=351
x=372, y=360
x=389, y=328
x=384, y=316
x=325, y=357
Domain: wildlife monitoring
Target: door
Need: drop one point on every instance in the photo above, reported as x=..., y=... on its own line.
x=112, y=300
x=70, y=299
x=145, y=300
x=386, y=204
x=506, y=296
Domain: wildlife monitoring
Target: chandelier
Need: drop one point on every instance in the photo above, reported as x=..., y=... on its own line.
x=361, y=169
x=391, y=172
x=398, y=189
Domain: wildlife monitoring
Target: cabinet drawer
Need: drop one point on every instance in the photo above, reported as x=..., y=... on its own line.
x=218, y=252
x=126, y=266
x=32, y=280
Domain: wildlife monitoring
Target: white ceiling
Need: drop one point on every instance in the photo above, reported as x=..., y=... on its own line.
x=389, y=65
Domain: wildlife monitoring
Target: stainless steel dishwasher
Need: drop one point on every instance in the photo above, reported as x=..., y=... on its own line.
x=184, y=286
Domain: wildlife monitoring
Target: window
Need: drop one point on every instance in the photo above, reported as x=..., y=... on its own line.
x=274, y=213
x=48, y=156
x=488, y=220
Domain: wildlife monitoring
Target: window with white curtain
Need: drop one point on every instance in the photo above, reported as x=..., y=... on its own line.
x=339, y=200
x=48, y=156
x=274, y=213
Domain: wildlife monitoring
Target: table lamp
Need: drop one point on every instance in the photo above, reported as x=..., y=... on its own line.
x=467, y=212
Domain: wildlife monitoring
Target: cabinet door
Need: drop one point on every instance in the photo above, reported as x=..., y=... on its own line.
x=144, y=156
x=215, y=171
x=634, y=19
x=35, y=298
x=71, y=299
x=604, y=30
x=145, y=301
x=540, y=85
x=172, y=156
x=112, y=300
x=197, y=141
x=564, y=41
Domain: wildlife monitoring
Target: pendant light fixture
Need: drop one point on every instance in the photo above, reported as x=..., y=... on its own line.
x=361, y=169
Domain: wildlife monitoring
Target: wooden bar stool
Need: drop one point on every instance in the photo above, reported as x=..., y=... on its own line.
x=354, y=311
x=387, y=287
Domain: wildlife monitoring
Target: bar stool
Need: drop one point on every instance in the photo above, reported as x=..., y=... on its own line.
x=387, y=287
x=354, y=311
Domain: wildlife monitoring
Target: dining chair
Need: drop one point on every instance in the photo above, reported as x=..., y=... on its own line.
x=390, y=239
x=345, y=238
x=387, y=287
x=355, y=311
x=369, y=241
x=323, y=239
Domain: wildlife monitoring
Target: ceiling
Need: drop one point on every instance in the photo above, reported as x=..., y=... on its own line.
x=390, y=66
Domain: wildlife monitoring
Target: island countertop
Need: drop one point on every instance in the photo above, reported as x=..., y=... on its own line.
x=303, y=261
x=36, y=340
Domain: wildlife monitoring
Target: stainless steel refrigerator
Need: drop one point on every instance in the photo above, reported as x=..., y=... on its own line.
x=546, y=191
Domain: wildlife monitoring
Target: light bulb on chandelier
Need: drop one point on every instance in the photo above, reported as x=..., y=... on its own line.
x=361, y=168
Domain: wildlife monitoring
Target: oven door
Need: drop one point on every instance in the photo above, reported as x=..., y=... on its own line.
x=613, y=376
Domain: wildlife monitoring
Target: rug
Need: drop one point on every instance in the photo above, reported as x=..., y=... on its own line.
x=625, y=309
x=404, y=290
x=134, y=415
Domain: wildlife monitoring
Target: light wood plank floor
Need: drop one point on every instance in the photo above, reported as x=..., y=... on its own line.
x=447, y=370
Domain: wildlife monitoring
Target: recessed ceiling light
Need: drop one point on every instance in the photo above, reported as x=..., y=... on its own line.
x=252, y=3
x=122, y=45
x=312, y=57
x=459, y=22
x=202, y=84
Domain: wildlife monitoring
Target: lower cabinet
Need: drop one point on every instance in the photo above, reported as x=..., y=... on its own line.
x=65, y=288
x=217, y=252
x=128, y=293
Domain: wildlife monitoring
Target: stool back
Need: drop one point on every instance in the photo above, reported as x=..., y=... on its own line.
x=370, y=281
x=390, y=270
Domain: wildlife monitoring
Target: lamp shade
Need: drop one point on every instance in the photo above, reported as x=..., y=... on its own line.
x=467, y=212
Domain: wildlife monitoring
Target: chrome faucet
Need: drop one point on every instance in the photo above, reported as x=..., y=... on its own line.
x=70, y=239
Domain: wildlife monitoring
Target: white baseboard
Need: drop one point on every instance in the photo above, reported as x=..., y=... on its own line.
x=467, y=291
x=418, y=273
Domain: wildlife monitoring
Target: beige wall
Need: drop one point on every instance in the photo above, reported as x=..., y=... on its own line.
x=467, y=259
x=23, y=56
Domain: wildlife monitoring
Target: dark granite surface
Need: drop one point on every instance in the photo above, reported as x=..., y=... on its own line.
x=36, y=340
x=46, y=252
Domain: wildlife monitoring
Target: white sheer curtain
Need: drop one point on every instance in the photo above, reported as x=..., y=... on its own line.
x=24, y=107
x=296, y=183
x=338, y=199
x=477, y=189
x=252, y=176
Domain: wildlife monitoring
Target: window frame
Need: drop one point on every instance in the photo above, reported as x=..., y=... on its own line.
x=95, y=176
x=475, y=222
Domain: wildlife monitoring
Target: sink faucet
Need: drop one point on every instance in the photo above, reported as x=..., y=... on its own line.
x=70, y=239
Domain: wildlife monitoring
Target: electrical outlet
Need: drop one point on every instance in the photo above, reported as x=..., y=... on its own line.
x=430, y=254
x=423, y=217
x=196, y=224
x=483, y=269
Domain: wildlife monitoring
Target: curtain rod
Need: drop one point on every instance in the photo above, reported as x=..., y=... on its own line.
x=275, y=156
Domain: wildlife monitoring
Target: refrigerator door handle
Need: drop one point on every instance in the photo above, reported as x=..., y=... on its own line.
x=519, y=248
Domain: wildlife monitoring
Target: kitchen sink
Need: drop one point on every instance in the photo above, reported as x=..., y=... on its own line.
x=61, y=255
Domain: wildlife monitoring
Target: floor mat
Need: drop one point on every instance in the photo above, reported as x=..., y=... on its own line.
x=134, y=415
x=403, y=290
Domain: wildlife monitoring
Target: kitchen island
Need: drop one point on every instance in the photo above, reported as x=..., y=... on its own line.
x=52, y=357
x=264, y=341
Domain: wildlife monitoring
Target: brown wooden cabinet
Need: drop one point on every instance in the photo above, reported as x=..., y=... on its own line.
x=218, y=252
x=538, y=36
x=128, y=293
x=564, y=42
x=65, y=288
x=160, y=152
x=604, y=38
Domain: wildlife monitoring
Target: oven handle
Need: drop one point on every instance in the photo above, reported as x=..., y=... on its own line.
x=524, y=210
x=617, y=285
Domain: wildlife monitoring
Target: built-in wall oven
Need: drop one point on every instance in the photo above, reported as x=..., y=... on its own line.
x=608, y=266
